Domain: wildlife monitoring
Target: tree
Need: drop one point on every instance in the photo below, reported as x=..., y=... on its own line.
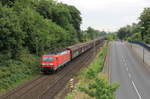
x=128, y=31
x=8, y=2
x=145, y=23
x=61, y=15
x=11, y=35
x=44, y=7
x=91, y=33
x=38, y=26
x=75, y=19
x=122, y=33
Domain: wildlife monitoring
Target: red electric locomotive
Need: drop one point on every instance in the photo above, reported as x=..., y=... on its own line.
x=51, y=62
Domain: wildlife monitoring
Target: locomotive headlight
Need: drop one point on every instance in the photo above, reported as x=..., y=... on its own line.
x=43, y=63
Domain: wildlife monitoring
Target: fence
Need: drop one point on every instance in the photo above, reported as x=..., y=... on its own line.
x=141, y=43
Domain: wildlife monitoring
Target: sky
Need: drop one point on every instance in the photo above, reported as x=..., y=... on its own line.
x=108, y=15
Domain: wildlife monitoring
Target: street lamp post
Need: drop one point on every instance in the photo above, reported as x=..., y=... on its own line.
x=143, y=54
x=143, y=32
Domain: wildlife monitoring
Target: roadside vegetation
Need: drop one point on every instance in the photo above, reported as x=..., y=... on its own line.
x=30, y=28
x=93, y=83
x=139, y=30
x=111, y=36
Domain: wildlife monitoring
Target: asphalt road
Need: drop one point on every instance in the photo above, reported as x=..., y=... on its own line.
x=133, y=77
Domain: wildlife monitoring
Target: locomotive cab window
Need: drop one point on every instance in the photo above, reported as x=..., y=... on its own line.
x=50, y=59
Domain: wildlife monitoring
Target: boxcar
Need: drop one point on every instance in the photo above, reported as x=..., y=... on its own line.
x=75, y=50
x=78, y=49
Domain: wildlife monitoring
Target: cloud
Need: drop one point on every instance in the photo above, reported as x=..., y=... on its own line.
x=108, y=14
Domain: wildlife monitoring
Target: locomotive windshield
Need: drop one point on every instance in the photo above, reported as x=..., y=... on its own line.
x=50, y=59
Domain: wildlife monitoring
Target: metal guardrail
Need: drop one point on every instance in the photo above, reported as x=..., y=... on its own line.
x=141, y=43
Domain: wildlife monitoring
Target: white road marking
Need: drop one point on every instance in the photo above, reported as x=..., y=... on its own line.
x=129, y=75
x=125, y=64
x=123, y=60
x=136, y=90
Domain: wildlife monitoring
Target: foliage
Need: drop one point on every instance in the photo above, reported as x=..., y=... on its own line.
x=100, y=89
x=111, y=36
x=15, y=71
x=91, y=33
x=139, y=31
x=61, y=15
x=8, y=2
x=11, y=35
x=44, y=7
x=145, y=24
x=145, y=19
x=122, y=33
x=39, y=26
x=75, y=20
x=135, y=36
x=68, y=17
x=128, y=31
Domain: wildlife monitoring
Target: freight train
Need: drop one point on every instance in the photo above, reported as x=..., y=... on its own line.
x=53, y=61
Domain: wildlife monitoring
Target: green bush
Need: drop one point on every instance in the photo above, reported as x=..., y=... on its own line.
x=15, y=71
x=100, y=89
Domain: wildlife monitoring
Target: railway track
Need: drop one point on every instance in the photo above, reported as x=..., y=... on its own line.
x=47, y=86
